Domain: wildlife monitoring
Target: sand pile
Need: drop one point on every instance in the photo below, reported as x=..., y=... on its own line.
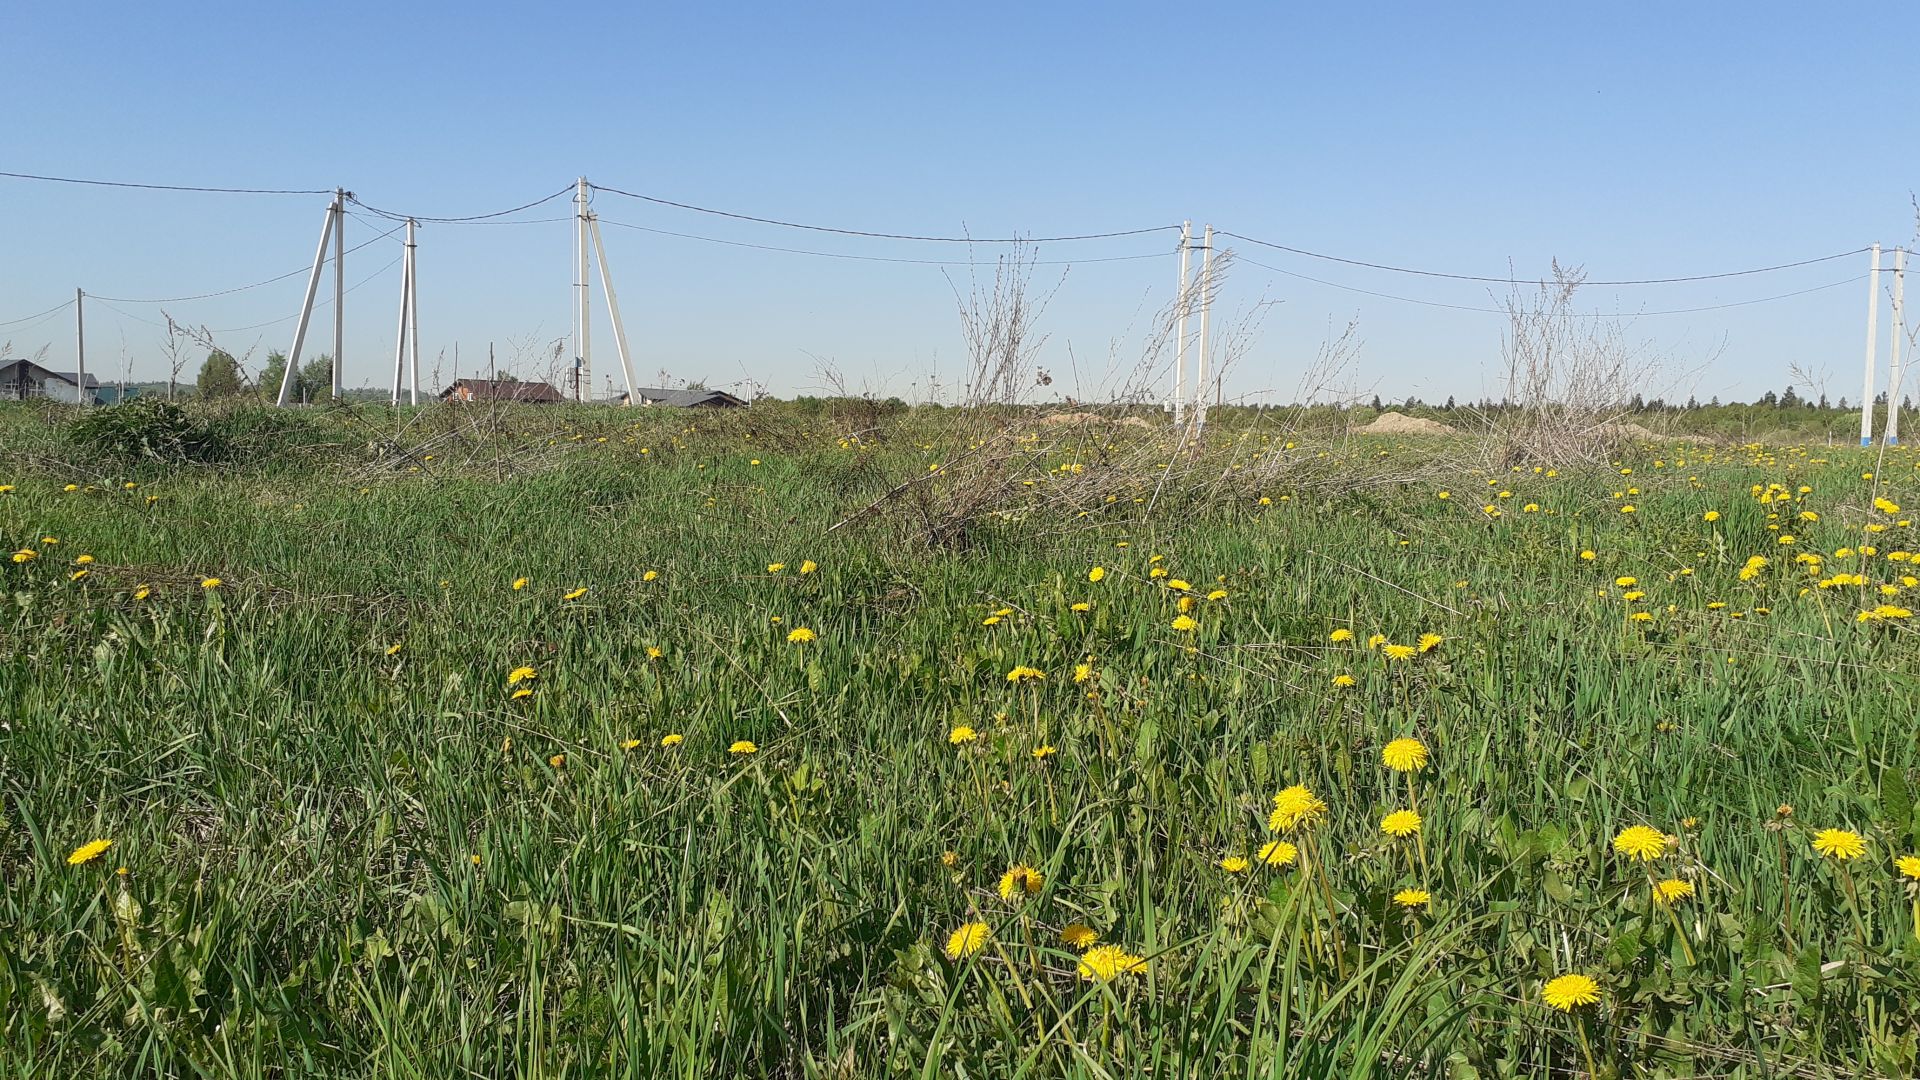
x=1393, y=423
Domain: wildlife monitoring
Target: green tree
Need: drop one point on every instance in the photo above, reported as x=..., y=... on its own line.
x=316, y=379
x=219, y=376
x=272, y=373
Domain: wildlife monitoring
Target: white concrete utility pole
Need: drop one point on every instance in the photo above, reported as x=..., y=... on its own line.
x=1896, y=361
x=306, y=308
x=613, y=309
x=1206, y=311
x=582, y=343
x=406, y=341
x=80, y=346
x=339, y=284
x=1873, y=344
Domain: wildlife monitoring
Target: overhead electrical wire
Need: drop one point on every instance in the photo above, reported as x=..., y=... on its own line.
x=877, y=235
x=393, y=215
x=1578, y=314
x=319, y=303
x=237, y=288
x=166, y=187
x=1512, y=279
x=869, y=258
x=39, y=314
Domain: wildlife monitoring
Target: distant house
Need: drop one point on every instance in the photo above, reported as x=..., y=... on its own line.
x=684, y=399
x=538, y=393
x=23, y=380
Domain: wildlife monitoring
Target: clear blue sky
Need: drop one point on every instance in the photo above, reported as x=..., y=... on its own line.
x=1638, y=140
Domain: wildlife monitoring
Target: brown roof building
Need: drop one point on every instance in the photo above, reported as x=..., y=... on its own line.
x=535, y=392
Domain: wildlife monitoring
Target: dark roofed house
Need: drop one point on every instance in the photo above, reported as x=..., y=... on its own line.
x=22, y=380
x=535, y=392
x=685, y=399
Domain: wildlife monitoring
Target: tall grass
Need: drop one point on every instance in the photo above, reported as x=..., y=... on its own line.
x=345, y=858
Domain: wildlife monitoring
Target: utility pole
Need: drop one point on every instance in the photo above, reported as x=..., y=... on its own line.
x=1206, y=310
x=613, y=309
x=1180, y=325
x=306, y=311
x=582, y=343
x=1897, y=355
x=1873, y=343
x=413, y=321
x=81, y=397
x=339, y=283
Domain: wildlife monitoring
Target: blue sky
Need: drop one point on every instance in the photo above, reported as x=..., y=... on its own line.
x=1638, y=140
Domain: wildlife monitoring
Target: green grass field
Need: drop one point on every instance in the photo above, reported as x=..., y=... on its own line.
x=446, y=776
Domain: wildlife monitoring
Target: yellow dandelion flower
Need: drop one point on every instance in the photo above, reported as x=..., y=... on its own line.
x=1412, y=899
x=1043, y=752
x=1400, y=823
x=558, y=761
x=1081, y=607
x=1294, y=807
x=774, y=568
x=968, y=940
x=1342, y=634
x=800, y=635
x=1839, y=844
x=1404, y=755
x=1095, y=574
x=1398, y=652
x=743, y=746
x=808, y=566
x=1217, y=594
x=519, y=583
x=575, y=594
x=1711, y=515
x=1104, y=963
x=1022, y=880
x=88, y=852
x=1342, y=681
x=651, y=575
x=83, y=560
x=1185, y=624
x=1430, y=642
x=962, y=735
x=1588, y=555
x=1908, y=866
x=1278, y=853
x=1234, y=864
x=1569, y=992
x=394, y=649
x=521, y=674
x=1082, y=672
x=672, y=739
x=1672, y=891
x=210, y=583
x=1022, y=673
x=1079, y=935
x=1641, y=842
x=523, y=692
x=142, y=592
x=25, y=555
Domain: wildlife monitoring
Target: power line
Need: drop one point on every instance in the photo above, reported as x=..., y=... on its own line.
x=318, y=304
x=866, y=258
x=878, y=235
x=166, y=187
x=38, y=315
x=392, y=215
x=237, y=288
x=1577, y=314
x=1511, y=279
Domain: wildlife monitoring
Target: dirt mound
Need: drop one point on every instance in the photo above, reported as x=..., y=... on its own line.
x=1393, y=423
x=1081, y=419
x=1630, y=431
